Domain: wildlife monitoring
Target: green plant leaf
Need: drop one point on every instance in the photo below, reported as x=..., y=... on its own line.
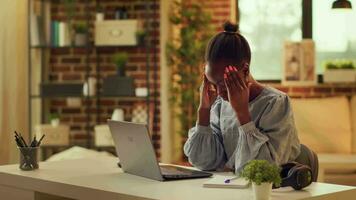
x=261, y=171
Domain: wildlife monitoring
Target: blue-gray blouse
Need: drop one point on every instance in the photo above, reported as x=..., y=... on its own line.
x=271, y=135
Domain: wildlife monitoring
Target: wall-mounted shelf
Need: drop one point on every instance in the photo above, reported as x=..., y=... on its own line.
x=41, y=63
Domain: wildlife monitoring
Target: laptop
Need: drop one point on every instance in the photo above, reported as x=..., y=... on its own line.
x=135, y=150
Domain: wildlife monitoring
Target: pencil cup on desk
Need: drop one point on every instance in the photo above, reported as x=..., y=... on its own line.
x=28, y=158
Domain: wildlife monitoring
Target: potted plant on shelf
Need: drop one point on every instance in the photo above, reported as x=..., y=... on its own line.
x=120, y=60
x=81, y=31
x=339, y=71
x=262, y=174
x=100, y=13
x=120, y=84
x=54, y=119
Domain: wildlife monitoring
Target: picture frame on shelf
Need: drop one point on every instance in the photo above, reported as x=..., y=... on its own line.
x=299, y=63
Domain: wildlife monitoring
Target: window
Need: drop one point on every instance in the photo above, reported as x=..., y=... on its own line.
x=334, y=32
x=266, y=24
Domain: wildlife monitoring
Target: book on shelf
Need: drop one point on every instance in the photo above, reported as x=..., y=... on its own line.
x=59, y=34
x=43, y=30
x=38, y=24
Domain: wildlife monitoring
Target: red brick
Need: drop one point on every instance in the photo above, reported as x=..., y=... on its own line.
x=82, y=68
x=222, y=13
x=107, y=102
x=75, y=128
x=81, y=51
x=107, y=68
x=53, y=60
x=343, y=90
x=71, y=110
x=71, y=60
x=72, y=77
x=60, y=68
x=301, y=89
x=58, y=103
x=65, y=119
x=322, y=90
x=60, y=51
x=80, y=119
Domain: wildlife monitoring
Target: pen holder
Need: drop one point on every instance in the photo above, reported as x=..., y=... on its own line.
x=28, y=158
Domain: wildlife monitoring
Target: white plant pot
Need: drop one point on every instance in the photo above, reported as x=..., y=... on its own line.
x=80, y=39
x=99, y=16
x=340, y=75
x=262, y=192
x=55, y=122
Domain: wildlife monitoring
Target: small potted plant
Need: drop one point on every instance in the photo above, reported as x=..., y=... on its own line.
x=140, y=37
x=54, y=119
x=119, y=84
x=262, y=174
x=120, y=60
x=81, y=30
x=99, y=13
x=339, y=71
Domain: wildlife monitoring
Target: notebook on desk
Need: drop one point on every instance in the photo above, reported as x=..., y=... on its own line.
x=218, y=181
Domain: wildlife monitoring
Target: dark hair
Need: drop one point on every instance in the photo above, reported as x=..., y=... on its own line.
x=228, y=45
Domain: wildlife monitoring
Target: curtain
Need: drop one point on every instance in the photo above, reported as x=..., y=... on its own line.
x=13, y=76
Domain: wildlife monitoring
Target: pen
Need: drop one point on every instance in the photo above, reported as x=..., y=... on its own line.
x=34, y=142
x=230, y=179
x=21, y=138
x=39, y=142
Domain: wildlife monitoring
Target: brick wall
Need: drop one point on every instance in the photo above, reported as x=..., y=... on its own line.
x=71, y=65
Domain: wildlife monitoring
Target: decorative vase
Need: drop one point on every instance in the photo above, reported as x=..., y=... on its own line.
x=99, y=16
x=55, y=122
x=121, y=71
x=80, y=39
x=262, y=192
x=89, y=88
x=118, y=115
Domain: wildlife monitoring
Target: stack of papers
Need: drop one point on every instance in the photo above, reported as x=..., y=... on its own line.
x=218, y=181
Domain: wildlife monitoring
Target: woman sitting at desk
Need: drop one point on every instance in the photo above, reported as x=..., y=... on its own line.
x=239, y=119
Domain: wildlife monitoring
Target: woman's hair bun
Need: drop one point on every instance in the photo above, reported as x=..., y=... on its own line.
x=230, y=27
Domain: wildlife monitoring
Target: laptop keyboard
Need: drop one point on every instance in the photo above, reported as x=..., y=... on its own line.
x=172, y=172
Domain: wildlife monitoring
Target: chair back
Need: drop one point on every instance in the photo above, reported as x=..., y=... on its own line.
x=308, y=157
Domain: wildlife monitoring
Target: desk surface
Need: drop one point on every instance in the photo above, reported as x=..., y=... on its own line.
x=90, y=179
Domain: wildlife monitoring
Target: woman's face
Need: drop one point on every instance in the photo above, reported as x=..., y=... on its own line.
x=215, y=75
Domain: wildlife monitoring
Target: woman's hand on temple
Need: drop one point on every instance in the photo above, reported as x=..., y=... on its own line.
x=207, y=94
x=238, y=93
x=207, y=98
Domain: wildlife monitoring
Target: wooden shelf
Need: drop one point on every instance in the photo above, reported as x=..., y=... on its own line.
x=83, y=47
x=123, y=98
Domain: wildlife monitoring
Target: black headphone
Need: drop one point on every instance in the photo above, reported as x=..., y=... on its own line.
x=296, y=175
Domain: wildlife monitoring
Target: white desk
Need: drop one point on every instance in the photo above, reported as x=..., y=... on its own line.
x=102, y=179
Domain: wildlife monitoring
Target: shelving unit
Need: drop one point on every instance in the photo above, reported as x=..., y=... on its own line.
x=43, y=51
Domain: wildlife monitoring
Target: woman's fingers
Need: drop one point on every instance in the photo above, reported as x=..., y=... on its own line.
x=233, y=77
x=240, y=78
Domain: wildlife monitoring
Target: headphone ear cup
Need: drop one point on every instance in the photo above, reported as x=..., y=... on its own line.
x=286, y=168
x=286, y=173
x=303, y=177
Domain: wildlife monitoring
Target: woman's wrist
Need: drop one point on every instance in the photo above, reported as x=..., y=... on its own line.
x=203, y=116
x=243, y=116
